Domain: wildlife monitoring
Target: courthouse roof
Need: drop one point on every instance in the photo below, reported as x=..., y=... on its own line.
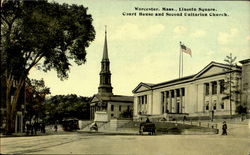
x=145, y=86
x=245, y=61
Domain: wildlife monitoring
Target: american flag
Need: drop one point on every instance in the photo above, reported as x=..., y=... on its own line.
x=186, y=50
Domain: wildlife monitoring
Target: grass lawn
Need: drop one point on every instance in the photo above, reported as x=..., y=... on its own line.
x=169, y=127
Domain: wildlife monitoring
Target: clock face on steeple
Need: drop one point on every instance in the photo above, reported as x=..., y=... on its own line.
x=105, y=87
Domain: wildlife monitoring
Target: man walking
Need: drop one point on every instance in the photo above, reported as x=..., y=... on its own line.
x=224, y=128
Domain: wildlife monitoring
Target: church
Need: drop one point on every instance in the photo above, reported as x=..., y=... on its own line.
x=199, y=95
x=105, y=103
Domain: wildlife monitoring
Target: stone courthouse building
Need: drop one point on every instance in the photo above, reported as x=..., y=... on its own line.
x=199, y=95
x=105, y=103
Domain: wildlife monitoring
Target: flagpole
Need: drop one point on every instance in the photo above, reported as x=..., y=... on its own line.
x=180, y=62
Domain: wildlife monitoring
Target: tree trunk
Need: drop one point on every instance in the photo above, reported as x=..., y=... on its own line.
x=9, y=123
x=12, y=103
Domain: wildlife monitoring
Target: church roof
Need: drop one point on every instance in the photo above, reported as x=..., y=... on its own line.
x=112, y=98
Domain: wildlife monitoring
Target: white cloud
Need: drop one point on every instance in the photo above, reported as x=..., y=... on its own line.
x=136, y=32
x=226, y=37
x=180, y=30
x=198, y=34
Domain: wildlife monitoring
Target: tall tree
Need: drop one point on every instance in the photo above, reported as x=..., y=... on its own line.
x=42, y=35
x=67, y=106
x=232, y=86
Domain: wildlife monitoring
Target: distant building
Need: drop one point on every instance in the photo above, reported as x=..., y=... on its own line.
x=105, y=100
x=201, y=94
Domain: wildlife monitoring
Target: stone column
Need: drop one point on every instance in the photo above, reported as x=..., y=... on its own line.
x=218, y=87
x=210, y=96
x=180, y=100
x=218, y=95
x=146, y=103
x=175, y=100
x=170, y=99
x=167, y=103
x=164, y=102
x=204, y=94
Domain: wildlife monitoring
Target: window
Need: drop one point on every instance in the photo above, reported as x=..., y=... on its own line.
x=183, y=91
x=207, y=105
x=222, y=105
x=172, y=93
x=222, y=86
x=112, y=107
x=214, y=106
x=177, y=92
x=206, y=88
x=120, y=108
x=214, y=87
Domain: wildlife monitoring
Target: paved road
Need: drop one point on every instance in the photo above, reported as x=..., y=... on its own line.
x=236, y=143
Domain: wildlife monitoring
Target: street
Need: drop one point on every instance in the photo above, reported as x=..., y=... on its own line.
x=86, y=143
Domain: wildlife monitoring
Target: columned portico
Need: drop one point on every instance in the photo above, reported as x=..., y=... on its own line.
x=201, y=94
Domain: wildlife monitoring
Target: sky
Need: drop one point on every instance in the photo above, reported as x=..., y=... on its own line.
x=146, y=48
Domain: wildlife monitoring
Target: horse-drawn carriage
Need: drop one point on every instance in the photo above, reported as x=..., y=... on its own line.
x=147, y=127
x=70, y=124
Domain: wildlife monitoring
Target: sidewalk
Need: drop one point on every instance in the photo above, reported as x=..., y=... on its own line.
x=49, y=131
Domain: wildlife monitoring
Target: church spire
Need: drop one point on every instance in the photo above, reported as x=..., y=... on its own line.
x=105, y=87
x=105, y=48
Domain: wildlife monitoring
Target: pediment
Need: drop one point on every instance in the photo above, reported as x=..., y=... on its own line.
x=141, y=87
x=213, y=70
x=95, y=99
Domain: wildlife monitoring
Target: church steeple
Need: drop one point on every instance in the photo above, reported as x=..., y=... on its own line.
x=105, y=87
x=105, y=48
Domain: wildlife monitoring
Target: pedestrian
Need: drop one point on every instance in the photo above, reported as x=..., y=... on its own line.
x=55, y=127
x=184, y=118
x=224, y=128
x=27, y=128
x=35, y=126
x=147, y=121
x=32, y=129
x=43, y=127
